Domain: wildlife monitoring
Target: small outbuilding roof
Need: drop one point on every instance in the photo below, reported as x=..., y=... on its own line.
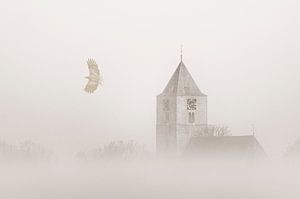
x=246, y=146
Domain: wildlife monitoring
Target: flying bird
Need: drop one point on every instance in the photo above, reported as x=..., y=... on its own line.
x=94, y=76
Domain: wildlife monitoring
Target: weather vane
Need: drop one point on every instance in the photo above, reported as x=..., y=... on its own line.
x=253, y=129
x=181, y=49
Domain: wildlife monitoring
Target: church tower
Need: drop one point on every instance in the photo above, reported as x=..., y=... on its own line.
x=181, y=112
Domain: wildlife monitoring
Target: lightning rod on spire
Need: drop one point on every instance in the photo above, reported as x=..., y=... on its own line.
x=253, y=129
x=181, y=49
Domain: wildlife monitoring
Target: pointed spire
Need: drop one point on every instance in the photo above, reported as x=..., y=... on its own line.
x=182, y=83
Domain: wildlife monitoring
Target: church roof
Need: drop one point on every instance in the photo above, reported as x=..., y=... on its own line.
x=182, y=83
x=226, y=145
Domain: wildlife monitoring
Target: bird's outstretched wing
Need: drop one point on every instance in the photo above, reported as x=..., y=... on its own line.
x=94, y=76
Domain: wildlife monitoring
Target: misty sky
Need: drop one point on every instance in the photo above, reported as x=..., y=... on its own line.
x=244, y=55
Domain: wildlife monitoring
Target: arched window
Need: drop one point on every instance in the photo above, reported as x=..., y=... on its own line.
x=191, y=117
x=167, y=116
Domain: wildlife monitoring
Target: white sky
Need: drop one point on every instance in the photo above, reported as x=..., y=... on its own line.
x=244, y=55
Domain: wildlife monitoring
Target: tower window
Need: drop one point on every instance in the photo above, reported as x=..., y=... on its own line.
x=166, y=105
x=191, y=104
x=191, y=117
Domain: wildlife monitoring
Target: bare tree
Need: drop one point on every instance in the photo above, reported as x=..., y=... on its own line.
x=29, y=149
x=7, y=151
x=114, y=150
x=26, y=150
x=293, y=150
x=216, y=130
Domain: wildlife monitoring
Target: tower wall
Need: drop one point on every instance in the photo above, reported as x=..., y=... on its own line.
x=173, y=126
x=200, y=110
x=165, y=124
x=185, y=127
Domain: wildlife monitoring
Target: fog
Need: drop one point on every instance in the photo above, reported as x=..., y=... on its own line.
x=151, y=179
x=243, y=54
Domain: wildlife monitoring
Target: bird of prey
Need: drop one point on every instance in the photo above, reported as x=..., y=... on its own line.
x=94, y=76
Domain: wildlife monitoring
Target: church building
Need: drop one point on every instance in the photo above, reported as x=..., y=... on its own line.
x=182, y=117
